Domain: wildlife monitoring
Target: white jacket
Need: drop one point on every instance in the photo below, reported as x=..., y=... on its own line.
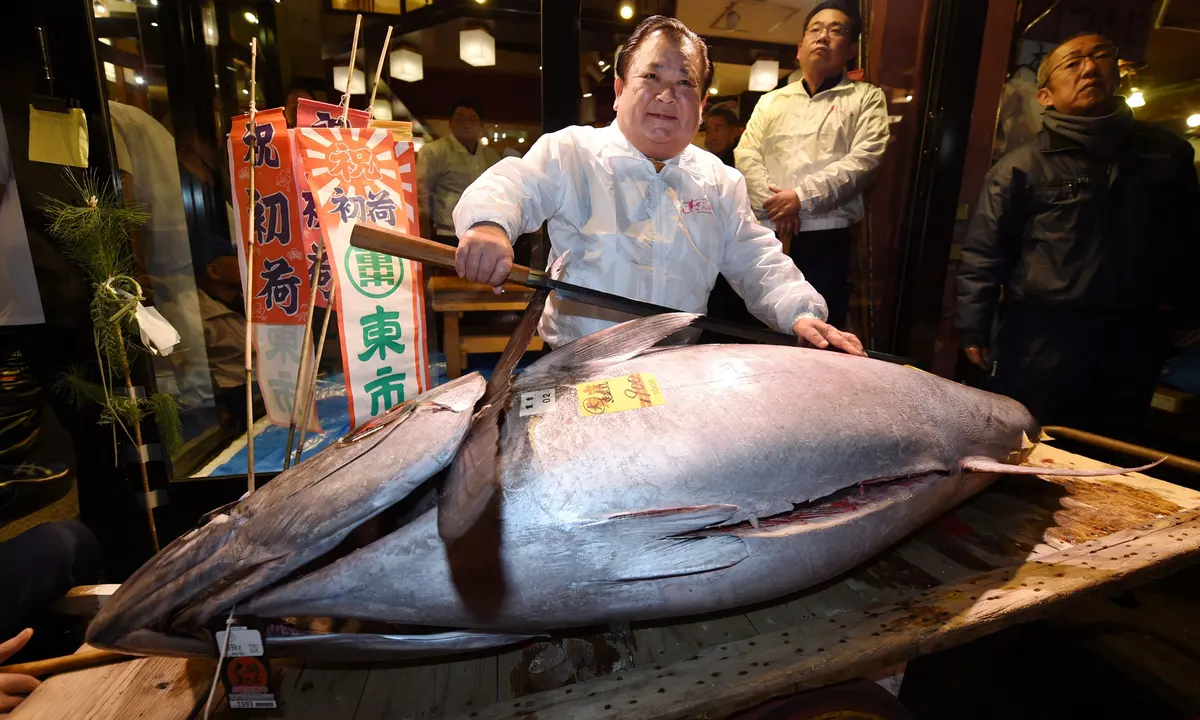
x=825, y=148
x=659, y=237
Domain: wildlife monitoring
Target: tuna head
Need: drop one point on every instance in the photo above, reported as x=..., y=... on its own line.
x=300, y=515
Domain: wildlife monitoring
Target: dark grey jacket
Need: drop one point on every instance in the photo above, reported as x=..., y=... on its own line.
x=1061, y=228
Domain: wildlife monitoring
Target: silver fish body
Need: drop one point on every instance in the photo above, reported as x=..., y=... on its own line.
x=756, y=472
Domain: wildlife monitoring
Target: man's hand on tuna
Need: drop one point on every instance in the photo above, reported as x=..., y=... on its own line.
x=484, y=256
x=821, y=335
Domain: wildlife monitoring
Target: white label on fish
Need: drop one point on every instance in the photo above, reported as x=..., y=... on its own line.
x=537, y=402
x=243, y=642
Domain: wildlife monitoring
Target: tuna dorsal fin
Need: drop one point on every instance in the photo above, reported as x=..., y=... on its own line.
x=983, y=464
x=611, y=345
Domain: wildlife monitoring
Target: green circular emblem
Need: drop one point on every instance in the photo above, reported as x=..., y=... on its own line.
x=373, y=274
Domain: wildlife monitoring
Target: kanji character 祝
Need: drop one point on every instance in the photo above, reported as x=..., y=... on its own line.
x=353, y=163
x=265, y=152
x=380, y=333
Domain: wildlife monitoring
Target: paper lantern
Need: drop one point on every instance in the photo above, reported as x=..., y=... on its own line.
x=358, y=86
x=476, y=47
x=406, y=65
x=382, y=109
x=764, y=75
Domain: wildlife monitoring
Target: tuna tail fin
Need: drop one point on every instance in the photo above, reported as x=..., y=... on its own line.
x=983, y=464
x=620, y=342
x=473, y=476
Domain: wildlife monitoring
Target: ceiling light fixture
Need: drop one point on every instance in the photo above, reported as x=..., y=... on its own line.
x=1193, y=121
x=476, y=47
x=406, y=65
x=587, y=95
x=626, y=11
x=764, y=75
x=251, y=18
x=1135, y=100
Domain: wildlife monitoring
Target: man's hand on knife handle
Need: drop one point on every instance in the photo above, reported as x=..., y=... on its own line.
x=484, y=255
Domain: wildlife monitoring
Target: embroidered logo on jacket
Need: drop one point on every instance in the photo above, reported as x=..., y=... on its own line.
x=696, y=206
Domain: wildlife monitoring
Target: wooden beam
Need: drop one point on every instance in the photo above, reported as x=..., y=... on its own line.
x=737, y=675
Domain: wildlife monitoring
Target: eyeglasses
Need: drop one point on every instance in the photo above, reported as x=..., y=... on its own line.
x=1073, y=65
x=835, y=30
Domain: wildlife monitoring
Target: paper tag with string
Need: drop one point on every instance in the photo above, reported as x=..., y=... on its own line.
x=159, y=335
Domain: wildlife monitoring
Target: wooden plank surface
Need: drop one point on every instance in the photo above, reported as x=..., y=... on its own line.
x=142, y=688
x=999, y=537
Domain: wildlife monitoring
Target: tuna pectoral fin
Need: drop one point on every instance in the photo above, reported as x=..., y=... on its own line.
x=983, y=464
x=621, y=342
x=677, y=556
x=644, y=548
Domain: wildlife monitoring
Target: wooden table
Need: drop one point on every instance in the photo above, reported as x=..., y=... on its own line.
x=1022, y=549
x=451, y=296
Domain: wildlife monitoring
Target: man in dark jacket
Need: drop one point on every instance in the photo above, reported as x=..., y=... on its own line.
x=1092, y=231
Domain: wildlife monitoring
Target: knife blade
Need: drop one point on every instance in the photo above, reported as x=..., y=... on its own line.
x=400, y=244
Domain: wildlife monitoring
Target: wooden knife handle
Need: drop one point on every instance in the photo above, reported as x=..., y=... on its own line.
x=79, y=660
x=411, y=247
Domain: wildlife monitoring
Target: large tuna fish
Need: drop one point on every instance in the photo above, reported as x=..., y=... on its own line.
x=633, y=483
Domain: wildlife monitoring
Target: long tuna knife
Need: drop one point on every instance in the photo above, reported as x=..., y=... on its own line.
x=410, y=247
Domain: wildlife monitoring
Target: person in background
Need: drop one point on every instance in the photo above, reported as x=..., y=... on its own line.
x=39, y=566
x=811, y=148
x=149, y=165
x=643, y=212
x=293, y=102
x=721, y=133
x=446, y=166
x=1091, y=230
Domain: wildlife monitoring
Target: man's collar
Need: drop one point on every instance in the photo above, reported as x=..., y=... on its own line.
x=829, y=83
x=457, y=146
x=619, y=145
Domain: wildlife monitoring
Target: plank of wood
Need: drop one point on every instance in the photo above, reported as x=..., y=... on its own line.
x=322, y=693
x=435, y=690
x=84, y=600
x=772, y=664
x=157, y=687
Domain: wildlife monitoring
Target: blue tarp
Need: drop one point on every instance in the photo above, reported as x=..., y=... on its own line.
x=334, y=413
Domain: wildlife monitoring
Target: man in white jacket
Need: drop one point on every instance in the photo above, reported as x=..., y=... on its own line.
x=811, y=147
x=643, y=213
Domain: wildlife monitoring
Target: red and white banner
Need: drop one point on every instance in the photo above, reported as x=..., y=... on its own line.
x=364, y=176
x=282, y=272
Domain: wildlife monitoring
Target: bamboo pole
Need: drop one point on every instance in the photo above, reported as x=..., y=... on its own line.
x=311, y=396
x=250, y=280
x=350, y=74
x=137, y=438
x=387, y=40
x=305, y=346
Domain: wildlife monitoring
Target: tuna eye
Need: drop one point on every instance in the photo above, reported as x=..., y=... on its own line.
x=400, y=413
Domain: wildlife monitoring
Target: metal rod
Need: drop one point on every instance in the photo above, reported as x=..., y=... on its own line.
x=1121, y=446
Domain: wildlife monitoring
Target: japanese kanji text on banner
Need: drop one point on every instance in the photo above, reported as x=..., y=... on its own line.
x=365, y=176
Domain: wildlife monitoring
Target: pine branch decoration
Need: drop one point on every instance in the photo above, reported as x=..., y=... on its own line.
x=94, y=229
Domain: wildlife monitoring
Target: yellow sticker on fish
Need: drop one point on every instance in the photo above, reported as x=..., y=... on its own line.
x=628, y=392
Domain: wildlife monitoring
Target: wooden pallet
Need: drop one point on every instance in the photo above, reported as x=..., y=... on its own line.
x=1021, y=549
